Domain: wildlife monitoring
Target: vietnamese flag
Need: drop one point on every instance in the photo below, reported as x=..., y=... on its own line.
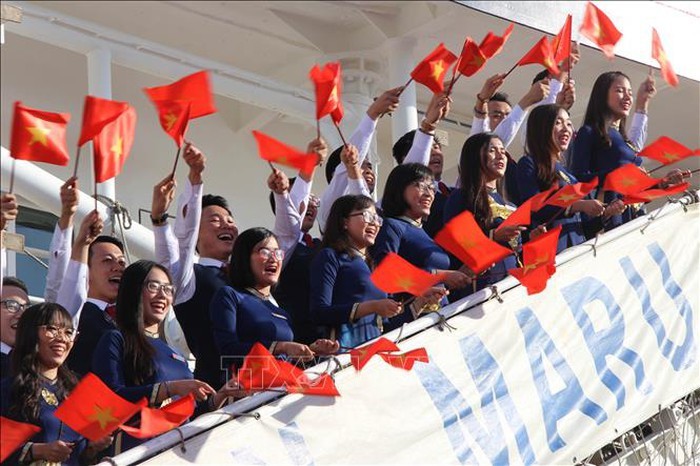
x=112, y=146
x=158, y=421
x=521, y=216
x=666, y=151
x=472, y=59
x=463, y=237
x=261, y=371
x=628, y=179
x=651, y=194
x=597, y=27
x=538, y=257
x=272, y=150
x=174, y=116
x=406, y=360
x=93, y=410
x=492, y=44
x=431, y=71
x=195, y=89
x=539, y=200
x=39, y=136
x=394, y=274
x=14, y=434
x=328, y=86
x=571, y=193
x=658, y=53
x=359, y=357
x=561, y=43
x=322, y=386
x=98, y=113
x=541, y=53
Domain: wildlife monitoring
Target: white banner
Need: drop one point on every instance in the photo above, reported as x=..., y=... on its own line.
x=537, y=379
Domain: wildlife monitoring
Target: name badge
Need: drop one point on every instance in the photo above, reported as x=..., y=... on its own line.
x=279, y=315
x=179, y=357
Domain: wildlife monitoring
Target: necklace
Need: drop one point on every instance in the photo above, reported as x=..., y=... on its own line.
x=358, y=252
x=264, y=297
x=151, y=334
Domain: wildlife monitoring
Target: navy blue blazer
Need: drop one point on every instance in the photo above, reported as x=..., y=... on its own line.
x=94, y=322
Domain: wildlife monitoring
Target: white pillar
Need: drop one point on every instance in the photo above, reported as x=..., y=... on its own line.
x=99, y=63
x=401, y=63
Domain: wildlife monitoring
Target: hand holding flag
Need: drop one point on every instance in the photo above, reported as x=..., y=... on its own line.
x=394, y=274
x=538, y=259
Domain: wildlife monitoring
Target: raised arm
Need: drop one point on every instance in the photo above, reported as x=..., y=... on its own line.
x=60, y=248
x=438, y=108
x=480, y=122
x=166, y=247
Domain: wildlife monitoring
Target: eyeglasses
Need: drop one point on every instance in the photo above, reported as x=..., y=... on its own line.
x=265, y=253
x=155, y=287
x=369, y=217
x=53, y=331
x=13, y=306
x=425, y=187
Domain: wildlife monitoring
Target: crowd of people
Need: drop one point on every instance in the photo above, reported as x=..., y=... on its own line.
x=303, y=298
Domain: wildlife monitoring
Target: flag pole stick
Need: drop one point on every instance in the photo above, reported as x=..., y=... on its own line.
x=77, y=161
x=510, y=71
x=452, y=83
x=655, y=169
x=345, y=143
x=12, y=175
x=177, y=157
x=60, y=431
x=318, y=128
x=405, y=86
x=94, y=190
x=272, y=167
x=694, y=171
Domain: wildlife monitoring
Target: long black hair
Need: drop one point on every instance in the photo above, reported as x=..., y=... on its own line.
x=26, y=386
x=598, y=111
x=241, y=274
x=393, y=202
x=336, y=234
x=472, y=166
x=540, y=143
x=138, y=351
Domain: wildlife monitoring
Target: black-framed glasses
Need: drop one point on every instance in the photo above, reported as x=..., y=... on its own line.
x=266, y=253
x=54, y=331
x=155, y=287
x=369, y=217
x=425, y=187
x=14, y=306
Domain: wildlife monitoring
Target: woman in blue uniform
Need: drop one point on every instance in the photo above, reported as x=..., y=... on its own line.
x=40, y=382
x=602, y=144
x=483, y=165
x=408, y=197
x=134, y=361
x=245, y=312
x=549, y=131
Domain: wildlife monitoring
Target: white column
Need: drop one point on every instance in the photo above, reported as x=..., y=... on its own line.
x=99, y=63
x=401, y=63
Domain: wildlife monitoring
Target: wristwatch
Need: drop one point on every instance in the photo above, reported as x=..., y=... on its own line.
x=162, y=220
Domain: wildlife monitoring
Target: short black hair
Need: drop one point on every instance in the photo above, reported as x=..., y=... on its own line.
x=393, y=202
x=213, y=199
x=272, y=195
x=332, y=162
x=403, y=146
x=240, y=273
x=501, y=97
x=105, y=239
x=541, y=75
x=16, y=282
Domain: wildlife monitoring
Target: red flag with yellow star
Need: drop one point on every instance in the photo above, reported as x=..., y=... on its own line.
x=628, y=179
x=261, y=370
x=322, y=386
x=98, y=113
x=158, y=421
x=14, y=434
x=463, y=237
x=561, y=43
x=431, y=71
x=538, y=257
x=538, y=200
x=519, y=217
x=359, y=357
x=112, y=146
x=658, y=54
x=272, y=150
x=597, y=27
x=174, y=116
x=406, y=360
x=541, y=53
x=39, y=136
x=472, y=59
x=492, y=44
x=328, y=86
x=195, y=88
x=571, y=193
x=394, y=274
x=666, y=151
x=651, y=194
x=93, y=410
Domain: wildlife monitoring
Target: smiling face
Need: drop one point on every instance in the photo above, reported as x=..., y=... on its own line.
x=55, y=342
x=419, y=197
x=14, y=301
x=368, y=174
x=362, y=227
x=107, y=264
x=495, y=160
x=436, y=160
x=562, y=130
x=311, y=212
x=266, y=262
x=155, y=298
x=217, y=232
x=620, y=97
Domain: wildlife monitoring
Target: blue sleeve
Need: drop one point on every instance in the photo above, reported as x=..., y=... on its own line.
x=528, y=187
x=223, y=312
x=108, y=365
x=324, y=271
x=388, y=240
x=582, y=166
